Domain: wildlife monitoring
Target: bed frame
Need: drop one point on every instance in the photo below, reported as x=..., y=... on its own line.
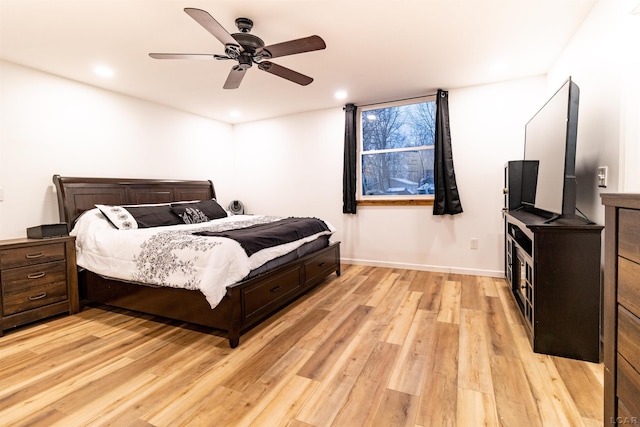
x=244, y=304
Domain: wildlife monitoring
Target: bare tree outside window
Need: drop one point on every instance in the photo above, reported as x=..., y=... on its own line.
x=396, y=149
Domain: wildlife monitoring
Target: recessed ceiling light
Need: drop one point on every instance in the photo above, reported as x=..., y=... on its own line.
x=341, y=94
x=235, y=113
x=103, y=71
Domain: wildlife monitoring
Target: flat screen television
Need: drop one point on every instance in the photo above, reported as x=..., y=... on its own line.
x=549, y=181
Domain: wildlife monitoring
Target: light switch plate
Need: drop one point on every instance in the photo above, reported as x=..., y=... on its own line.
x=602, y=176
x=473, y=243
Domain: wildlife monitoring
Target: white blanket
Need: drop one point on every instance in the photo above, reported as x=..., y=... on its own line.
x=172, y=256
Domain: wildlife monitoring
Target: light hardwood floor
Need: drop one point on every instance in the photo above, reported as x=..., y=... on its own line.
x=376, y=346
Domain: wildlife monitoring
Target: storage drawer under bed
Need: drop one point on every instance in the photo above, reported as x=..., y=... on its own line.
x=321, y=265
x=278, y=287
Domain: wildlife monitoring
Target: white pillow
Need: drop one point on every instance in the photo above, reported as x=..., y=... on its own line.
x=119, y=217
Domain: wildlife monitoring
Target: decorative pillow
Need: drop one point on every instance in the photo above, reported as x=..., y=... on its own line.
x=119, y=217
x=140, y=216
x=153, y=216
x=193, y=213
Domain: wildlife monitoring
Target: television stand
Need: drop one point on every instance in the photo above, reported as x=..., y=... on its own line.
x=552, y=219
x=580, y=219
x=553, y=270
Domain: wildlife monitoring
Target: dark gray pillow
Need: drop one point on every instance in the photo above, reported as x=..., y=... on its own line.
x=153, y=216
x=203, y=211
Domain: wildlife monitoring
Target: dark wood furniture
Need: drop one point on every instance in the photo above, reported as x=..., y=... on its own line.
x=622, y=309
x=245, y=303
x=38, y=280
x=554, y=273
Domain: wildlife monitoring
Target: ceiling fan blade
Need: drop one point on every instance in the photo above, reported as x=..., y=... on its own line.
x=285, y=73
x=210, y=24
x=292, y=47
x=234, y=78
x=181, y=55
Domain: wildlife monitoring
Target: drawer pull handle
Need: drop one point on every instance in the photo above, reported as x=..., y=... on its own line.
x=276, y=289
x=321, y=264
x=36, y=275
x=32, y=256
x=37, y=297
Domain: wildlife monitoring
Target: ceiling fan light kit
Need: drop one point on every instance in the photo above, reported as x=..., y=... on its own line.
x=248, y=49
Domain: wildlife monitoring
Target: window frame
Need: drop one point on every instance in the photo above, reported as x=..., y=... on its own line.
x=388, y=200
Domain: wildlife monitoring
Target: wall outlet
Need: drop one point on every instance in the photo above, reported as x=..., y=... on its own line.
x=474, y=243
x=602, y=176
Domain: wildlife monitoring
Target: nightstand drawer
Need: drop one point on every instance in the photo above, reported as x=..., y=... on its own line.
x=36, y=254
x=629, y=285
x=35, y=286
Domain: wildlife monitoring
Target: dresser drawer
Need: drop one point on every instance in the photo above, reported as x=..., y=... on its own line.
x=624, y=415
x=629, y=337
x=35, y=254
x=629, y=285
x=629, y=235
x=628, y=386
x=35, y=286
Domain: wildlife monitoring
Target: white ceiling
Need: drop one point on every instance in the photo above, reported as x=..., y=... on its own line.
x=376, y=50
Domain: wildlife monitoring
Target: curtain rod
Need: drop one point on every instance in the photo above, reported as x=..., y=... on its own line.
x=396, y=100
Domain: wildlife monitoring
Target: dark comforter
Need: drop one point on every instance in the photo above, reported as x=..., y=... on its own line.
x=261, y=236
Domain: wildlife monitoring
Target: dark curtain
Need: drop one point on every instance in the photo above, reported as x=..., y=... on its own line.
x=446, y=198
x=350, y=159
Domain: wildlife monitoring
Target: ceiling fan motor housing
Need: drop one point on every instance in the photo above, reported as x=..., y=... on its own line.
x=249, y=42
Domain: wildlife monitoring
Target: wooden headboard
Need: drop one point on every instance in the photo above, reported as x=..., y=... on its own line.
x=77, y=194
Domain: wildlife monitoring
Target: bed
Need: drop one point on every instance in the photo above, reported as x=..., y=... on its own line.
x=243, y=304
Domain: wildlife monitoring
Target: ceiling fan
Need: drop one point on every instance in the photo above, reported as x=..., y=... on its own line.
x=248, y=49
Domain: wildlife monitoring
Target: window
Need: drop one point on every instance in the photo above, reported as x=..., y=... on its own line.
x=396, y=149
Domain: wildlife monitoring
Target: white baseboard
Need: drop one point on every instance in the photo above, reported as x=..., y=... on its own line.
x=422, y=267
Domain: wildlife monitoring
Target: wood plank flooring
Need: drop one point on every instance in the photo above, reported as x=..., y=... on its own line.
x=374, y=347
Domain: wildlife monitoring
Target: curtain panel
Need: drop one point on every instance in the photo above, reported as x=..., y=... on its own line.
x=349, y=175
x=446, y=197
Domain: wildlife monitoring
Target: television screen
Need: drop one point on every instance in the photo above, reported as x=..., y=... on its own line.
x=550, y=145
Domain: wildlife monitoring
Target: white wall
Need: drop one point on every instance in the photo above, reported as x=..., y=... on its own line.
x=50, y=125
x=293, y=165
x=603, y=60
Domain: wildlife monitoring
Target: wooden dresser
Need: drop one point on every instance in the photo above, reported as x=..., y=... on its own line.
x=622, y=309
x=38, y=279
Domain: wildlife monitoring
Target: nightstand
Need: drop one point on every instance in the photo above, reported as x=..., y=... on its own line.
x=38, y=279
